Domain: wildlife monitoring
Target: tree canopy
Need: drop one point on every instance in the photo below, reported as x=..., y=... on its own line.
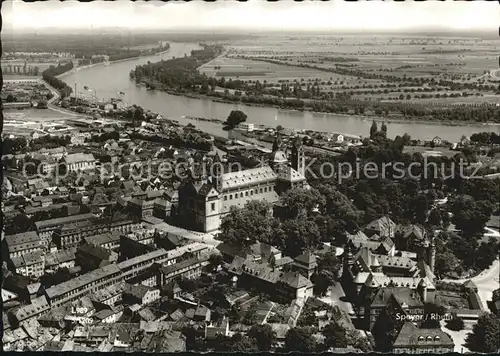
x=235, y=118
x=300, y=340
x=243, y=227
x=485, y=336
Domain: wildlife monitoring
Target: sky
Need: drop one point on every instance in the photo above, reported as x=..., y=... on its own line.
x=253, y=15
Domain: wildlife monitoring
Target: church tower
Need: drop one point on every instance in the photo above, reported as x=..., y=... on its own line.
x=298, y=158
x=278, y=142
x=348, y=260
x=278, y=160
x=432, y=252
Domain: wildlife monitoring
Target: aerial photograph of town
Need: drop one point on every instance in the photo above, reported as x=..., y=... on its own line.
x=255, y=176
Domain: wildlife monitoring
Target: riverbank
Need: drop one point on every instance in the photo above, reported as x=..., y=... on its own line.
x=106, y=79
x=389, y=120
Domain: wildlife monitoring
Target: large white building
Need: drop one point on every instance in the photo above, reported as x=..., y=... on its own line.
x=79, y=162
x=203, y=204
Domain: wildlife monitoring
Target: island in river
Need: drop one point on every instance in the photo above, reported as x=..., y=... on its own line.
x=108, y=80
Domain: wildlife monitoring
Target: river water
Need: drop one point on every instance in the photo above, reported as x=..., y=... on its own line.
x=107, y=80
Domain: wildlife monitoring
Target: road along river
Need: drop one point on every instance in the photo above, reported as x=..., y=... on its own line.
x=107, y=80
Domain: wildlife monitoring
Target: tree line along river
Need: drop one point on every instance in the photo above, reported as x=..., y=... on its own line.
x=107, y=80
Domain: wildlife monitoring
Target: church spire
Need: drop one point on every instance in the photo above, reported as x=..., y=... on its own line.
x=278, y=142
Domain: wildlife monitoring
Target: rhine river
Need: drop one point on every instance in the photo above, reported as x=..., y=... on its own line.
x=106, y=81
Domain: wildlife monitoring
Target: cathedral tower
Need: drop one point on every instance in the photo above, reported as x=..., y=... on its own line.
x=298, y=158
x=432, y=252
x=278, y=142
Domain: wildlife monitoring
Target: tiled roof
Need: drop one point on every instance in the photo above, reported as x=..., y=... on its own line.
x=93, y=250
x=410, y=335
x=101, y=239
x=79, y=157
x=190, y=262
x=146, y=314
x=402, y=295
x=393, y=261
x=380, y=280
x=407, y=230
x=205, y=189
x=372, y=245
x=138, y=291
x=295, y=280
x=108, y=292
x=103, y=314
x=19, y=241
x=367, y=258
x=142, y=258
x=28, y=259
x=425, y=271
x=278, y=156
x=290, y=175
x=58, y=257
x=64, y=220
x=383, y=224
x=247, y=177
x=201, y=310
x=34, y=287
x=176, y=315
x=37, y=306
x=84, y=279
x=307, y=258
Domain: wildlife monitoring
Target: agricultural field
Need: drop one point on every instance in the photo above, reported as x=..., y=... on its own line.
x=243, y=69
x=460, y=60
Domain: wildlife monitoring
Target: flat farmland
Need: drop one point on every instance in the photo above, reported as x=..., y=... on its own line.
x=244, y=69
x=417, y=56
x=431, y=59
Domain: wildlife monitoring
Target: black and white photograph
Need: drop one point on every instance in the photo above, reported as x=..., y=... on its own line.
x=251, y=177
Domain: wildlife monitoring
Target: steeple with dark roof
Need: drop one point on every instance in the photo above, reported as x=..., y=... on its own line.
x=278, y=143
x=298, y=158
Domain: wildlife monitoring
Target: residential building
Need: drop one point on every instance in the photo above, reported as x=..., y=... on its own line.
x=213, y=331
x=57, y=152
x=189, y=268
x=59, y=259
x=306, y=264
x=83, y=285
x=169, y=241
x=129, y=247
x=383, y=227
x=370, y=271
x=70, y=235
x=91, y=257
x=107, y=240
x=110, y=296
x=247, y=126
x=22, y=243
x=139, y=294
x=79, y=162
x=284, y=286
x=30, y=264
x=46, y=228
x=395, y=302
x=202, y=313
x=36, y=308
